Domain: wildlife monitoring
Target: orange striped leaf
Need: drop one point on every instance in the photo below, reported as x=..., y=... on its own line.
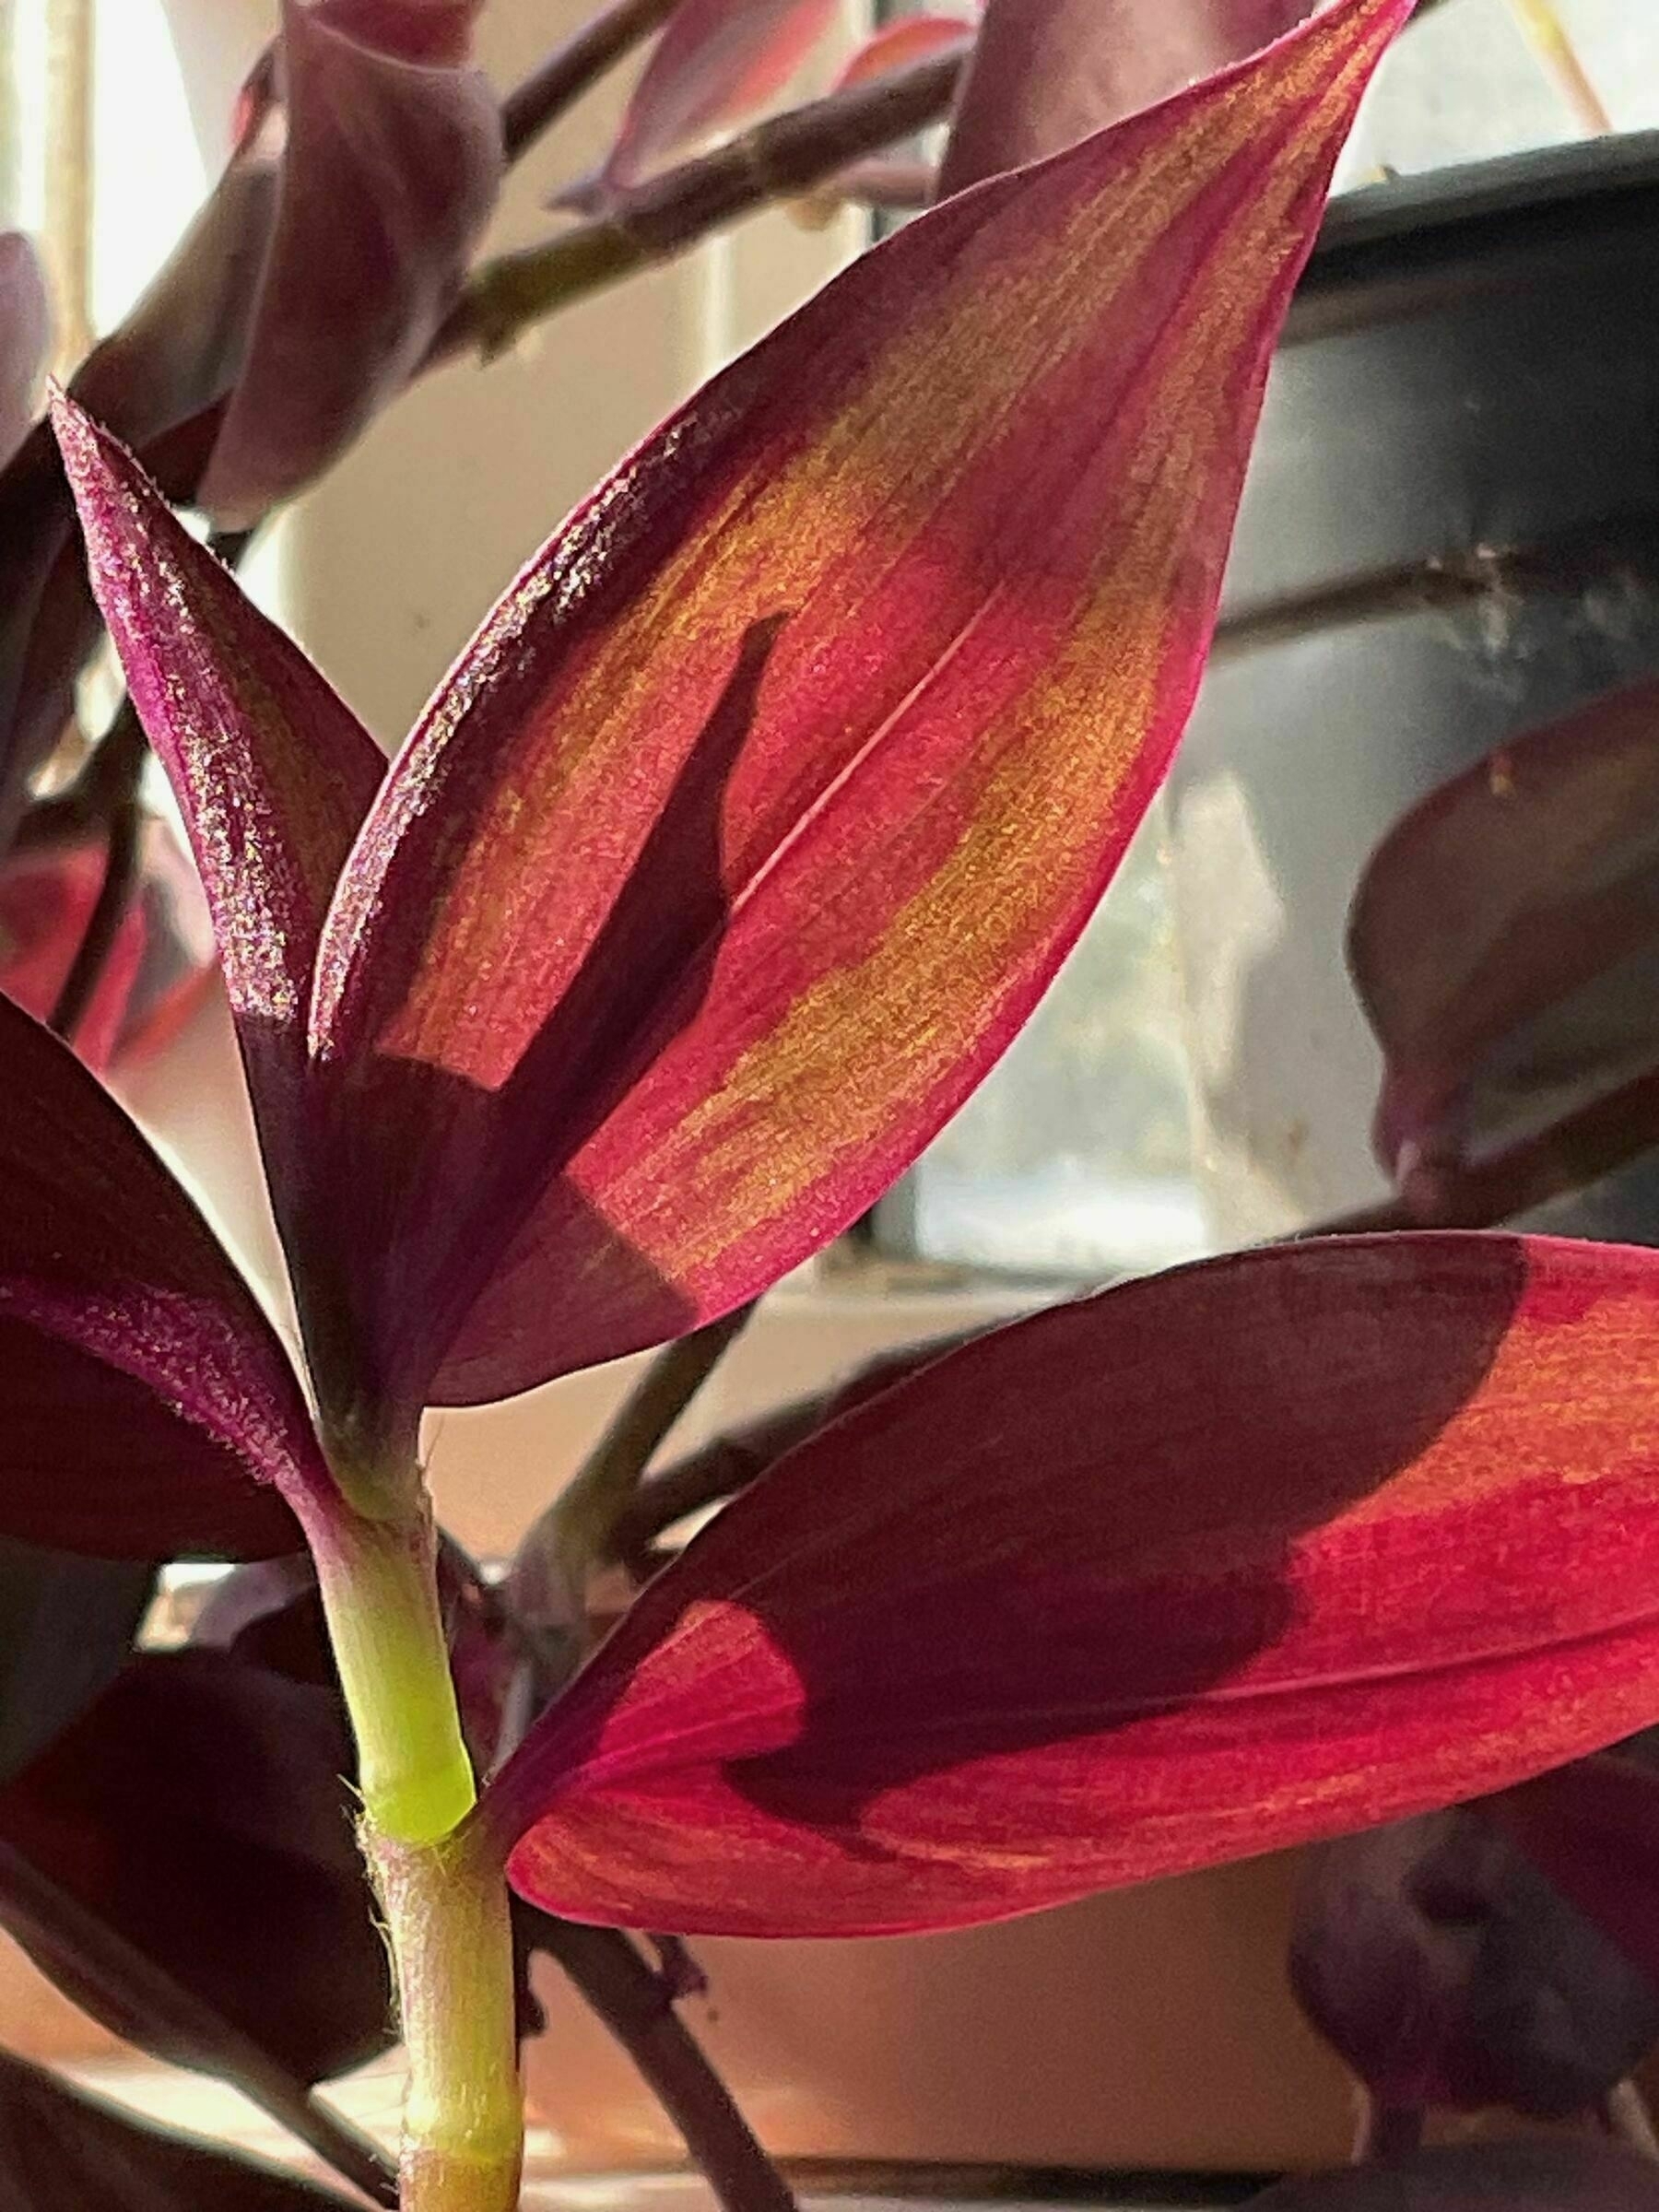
x=749, y=829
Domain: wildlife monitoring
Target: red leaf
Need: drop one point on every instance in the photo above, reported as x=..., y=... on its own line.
x=64, y=2152
x=1482, y=2177
x=1045, y=73
x=25, y=339
x=146, y=1404
x=1267, y=1549
x=716, y=63
x=390, y=173
x=161, y=960
x=1487, y=915
x=748, y=831
x=1446, y=1970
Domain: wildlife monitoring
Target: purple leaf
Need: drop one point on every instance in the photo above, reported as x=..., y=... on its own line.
x=1445, y=1968
x=182, y=1862
x=1045, y=73
x=61, y=2151
x=25, y=339
x=1482, y=2177
x=390, y=173
x=147, y=1408
x=274, y=774
x=1504, y=938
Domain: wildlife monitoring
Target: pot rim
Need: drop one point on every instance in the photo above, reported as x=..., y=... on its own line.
x=1393, y=248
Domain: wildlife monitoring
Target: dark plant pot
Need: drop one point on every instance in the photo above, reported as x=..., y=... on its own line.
x=1449, y=535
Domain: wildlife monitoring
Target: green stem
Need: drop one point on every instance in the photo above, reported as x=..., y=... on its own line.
x=380, y=1594
x=440, y=1881
x=446, y=1913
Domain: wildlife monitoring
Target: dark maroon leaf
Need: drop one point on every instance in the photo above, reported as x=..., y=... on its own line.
x=66, y=1627
x=148, y=1408
x=269, y=1614
x=1446, y=1970
x=196, y=1820
x=309, y=285
x=61, y=2151
x=1593, y=1827
x=1504, y=938
x=1484, y=2177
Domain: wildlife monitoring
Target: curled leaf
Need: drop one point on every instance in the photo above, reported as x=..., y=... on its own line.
x=389, y=175
x=1045, y=73
x=1447, y=1970
x=159, y=380
x=1267, y=1549
x=1504, y=938
x=1482, y=2177
x=147, y=1408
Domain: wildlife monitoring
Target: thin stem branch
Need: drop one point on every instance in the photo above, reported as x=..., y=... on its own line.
x=780, y=159
x=135, y=1984
x=1547, y=35
x=731, y=1462
x=570, y=70
x=884, y=181
x=1577, y=1149
x=635, y=2005
x=1387, y=2131
x=1625, y=2117
x=104, y=925
x=341, y=2146
x=577, y=1530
